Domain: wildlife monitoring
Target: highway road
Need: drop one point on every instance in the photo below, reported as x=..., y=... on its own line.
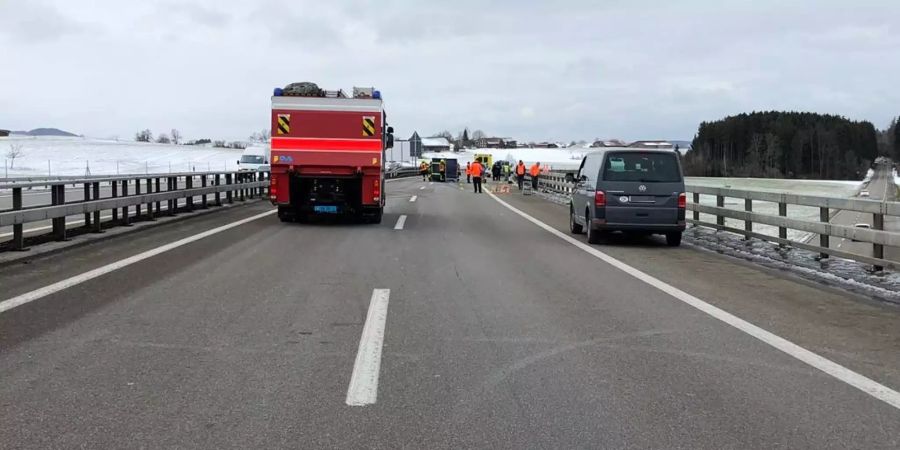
x=462, y=321
x=881, y=187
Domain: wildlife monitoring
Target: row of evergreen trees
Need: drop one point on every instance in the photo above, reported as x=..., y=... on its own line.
x=783, y=145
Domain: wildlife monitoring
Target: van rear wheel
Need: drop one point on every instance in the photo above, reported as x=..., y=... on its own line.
x=593, y=235
x=673, y=239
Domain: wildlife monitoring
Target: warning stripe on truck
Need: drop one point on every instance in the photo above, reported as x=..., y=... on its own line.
x=368, y=126
x=284, y=124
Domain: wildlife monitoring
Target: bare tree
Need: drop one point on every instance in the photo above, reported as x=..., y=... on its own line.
x=176, y=136
x=163, y=139
x=445, y=134
x=15, y=151
x=144, y=136
x=478, y=134
x=262, y=136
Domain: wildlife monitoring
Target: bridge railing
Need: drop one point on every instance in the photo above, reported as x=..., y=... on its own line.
x=555, y=183
x=143, y=194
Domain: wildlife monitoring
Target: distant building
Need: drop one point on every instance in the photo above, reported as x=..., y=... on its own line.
x=546, y=145
x=435, y=144
x=491, y=142
x=4, y=133
x=663, y=145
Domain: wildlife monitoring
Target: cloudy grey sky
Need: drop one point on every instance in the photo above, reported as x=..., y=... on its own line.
x=543, y=70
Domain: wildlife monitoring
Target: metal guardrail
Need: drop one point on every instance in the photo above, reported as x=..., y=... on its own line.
x=147, y=204
x=554, y=182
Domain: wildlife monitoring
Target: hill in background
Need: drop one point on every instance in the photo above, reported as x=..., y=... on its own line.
x=45, y=132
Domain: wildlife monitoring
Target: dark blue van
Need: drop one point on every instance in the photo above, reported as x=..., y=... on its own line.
x=630, y=190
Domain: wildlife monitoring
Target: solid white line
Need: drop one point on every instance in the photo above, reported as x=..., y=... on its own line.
x=400, y=222
x=413, y=198
x=421, y=188
x=27, y=297
x=363, y=389
x=832, y=368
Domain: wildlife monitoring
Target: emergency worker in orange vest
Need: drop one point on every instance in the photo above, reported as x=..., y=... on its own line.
x=477, y=172
x=520, y=174
x=535, y=173
x=468, y=172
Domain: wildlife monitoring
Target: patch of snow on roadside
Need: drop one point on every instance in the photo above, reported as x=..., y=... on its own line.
x=844, y=273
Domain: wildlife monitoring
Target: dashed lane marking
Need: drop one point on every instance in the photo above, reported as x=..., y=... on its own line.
x=421, y=188
x=401, y=221
x=363, y=389
x=413, y=198
x=859, y=381
x=36, y=294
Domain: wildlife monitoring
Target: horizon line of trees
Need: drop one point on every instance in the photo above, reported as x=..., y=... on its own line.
x=175, y=137
x=778, y=144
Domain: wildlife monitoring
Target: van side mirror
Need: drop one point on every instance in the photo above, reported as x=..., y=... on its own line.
x=390, y=141
x=390, y=130
x=570, y=178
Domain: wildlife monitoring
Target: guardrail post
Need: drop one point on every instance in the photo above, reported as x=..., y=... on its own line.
x=878, y=249
x=218, y=181
x=696, y=202
x=748, y=224
x=241, y=178
x=137, y=192
x=824, y=217
x=262, y=189
x=98, y=227
x=228, y=181
x=18, y=242
x=203, y=184
x=189, y=184
x=115, y=193
x=126, y=221
x=87, y=197
x=149, y=203
x=720, y=202
x=59, y=223
x=172, y=186
x=782, y=212
x=158, y=203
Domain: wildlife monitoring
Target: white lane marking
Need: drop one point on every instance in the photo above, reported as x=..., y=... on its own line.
x=400, y=222
x=413, y=198
x=861, y=382
x=421, y=188
x=363, y=389
x=430, y=183
x=76, y=222
x=27, y=297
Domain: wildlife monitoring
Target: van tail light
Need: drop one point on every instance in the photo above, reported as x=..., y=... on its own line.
x=682, y=200
x=600, y=198
x=376, y=190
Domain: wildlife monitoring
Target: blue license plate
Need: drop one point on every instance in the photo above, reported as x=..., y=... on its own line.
x=326, y=209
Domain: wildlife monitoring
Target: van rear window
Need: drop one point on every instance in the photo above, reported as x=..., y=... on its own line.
x=643, y=167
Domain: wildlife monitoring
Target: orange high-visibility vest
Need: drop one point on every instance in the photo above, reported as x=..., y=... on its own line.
x=520, y=169
x=469, y=169
x=477, y=169
x=535, y=170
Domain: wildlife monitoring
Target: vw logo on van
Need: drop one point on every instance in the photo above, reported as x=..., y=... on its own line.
x=642, y=188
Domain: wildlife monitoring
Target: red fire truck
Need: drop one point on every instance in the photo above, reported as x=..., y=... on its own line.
x=328, y=153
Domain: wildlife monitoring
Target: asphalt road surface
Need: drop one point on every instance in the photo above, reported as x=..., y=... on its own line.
x=880, y=188
x=456, y=323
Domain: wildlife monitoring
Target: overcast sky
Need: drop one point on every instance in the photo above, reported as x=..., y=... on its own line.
x=558, y=70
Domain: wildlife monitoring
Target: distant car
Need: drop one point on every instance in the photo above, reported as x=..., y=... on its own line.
x=863, y=193
x=629, y=190
x=862, y=225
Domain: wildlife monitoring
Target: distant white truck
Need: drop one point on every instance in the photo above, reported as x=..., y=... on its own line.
x=254, y=159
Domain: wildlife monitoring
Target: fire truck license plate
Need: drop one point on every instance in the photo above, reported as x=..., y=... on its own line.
x=326, y=209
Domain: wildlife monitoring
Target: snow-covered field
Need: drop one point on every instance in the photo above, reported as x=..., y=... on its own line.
x=77, y=156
